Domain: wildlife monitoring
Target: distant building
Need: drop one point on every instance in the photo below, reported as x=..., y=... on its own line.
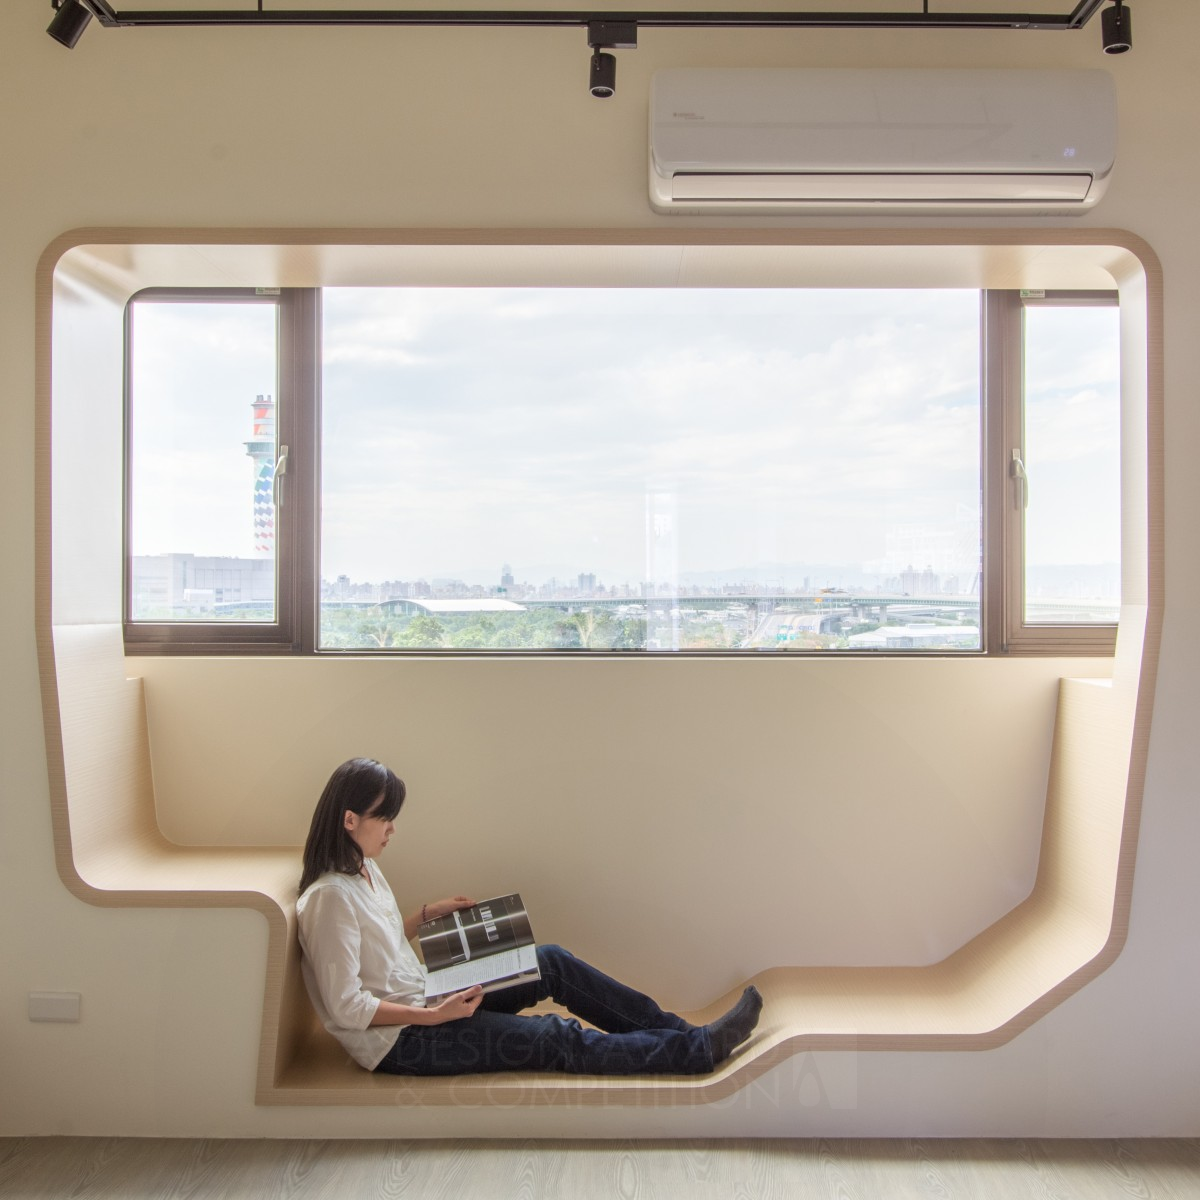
x=916, y=637
x=920, y=583
x=465, y=607
x=174, y=585
x=261, y=449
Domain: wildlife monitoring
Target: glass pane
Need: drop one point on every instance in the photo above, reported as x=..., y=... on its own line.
x=201, y=461
x=1073, y=460
x=638, y=469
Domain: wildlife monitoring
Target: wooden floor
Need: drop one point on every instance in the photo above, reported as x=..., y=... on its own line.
x=742, y=1169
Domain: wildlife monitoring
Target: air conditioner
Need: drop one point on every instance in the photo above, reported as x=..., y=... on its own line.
x=782, y=140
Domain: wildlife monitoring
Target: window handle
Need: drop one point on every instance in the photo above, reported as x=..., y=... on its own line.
x=280, y=472
x=1016, y=469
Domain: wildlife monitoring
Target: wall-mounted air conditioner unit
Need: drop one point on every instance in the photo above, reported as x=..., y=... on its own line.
x=782, y=140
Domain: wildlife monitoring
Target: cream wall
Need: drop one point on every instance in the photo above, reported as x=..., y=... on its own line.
x=336, y=128
x=684, y=826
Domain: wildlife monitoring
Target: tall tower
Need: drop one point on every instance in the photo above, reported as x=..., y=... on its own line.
x=261, y=449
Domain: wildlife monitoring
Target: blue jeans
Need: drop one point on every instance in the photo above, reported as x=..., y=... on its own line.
x=633, y=1036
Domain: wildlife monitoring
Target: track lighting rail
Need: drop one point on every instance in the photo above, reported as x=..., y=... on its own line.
x=113, y=18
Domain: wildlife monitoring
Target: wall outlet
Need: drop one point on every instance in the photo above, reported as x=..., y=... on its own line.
x=54, y=1006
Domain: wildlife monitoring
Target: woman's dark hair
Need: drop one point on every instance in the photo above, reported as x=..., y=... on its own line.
x=360, y=786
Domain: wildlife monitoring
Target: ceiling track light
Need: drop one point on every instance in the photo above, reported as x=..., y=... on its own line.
x=608, y=35
x=69, y=21
x=1116, y=29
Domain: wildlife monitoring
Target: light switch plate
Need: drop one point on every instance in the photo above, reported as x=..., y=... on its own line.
x=54, y=1006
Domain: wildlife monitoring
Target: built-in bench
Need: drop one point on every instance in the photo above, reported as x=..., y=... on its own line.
x=111, y=852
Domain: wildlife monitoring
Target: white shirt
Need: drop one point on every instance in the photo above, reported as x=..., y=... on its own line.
x=355, y=955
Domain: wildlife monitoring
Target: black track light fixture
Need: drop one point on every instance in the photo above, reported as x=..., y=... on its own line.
x=602, y=79
x=1116, y=29
x=69, y=21
x=608, y=35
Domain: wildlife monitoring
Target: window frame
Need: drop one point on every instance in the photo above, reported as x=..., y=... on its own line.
x=293, y=630
x=296, y=629
x=1004, y=324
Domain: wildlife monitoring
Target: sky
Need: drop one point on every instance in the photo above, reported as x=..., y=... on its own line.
x=1072, y=451
x=547, y=428
x=630, y=433
x=195, y=371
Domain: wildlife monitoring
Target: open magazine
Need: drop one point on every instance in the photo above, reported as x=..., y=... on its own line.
x=490, y=943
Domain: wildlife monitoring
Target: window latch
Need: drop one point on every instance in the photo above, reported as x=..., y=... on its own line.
x=280, y=472
x=1016, y=469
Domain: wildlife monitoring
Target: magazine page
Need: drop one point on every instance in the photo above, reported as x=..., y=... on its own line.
x=494, y=971
x=487, y=928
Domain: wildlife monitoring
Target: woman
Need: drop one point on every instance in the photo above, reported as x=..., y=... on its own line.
x=368, y=986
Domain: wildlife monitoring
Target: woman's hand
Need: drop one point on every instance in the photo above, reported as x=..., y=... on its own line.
x=453, y=1008
x=443, y=908
x=457, y=1005
x=439, y=908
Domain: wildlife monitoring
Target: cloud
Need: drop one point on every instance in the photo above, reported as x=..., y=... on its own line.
x=526, y=423
x=471, y=425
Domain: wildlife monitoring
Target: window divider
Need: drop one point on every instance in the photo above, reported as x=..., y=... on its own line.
x=998, y=371
x=300, y=371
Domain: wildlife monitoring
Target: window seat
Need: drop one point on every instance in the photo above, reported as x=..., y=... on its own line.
x=111, y=852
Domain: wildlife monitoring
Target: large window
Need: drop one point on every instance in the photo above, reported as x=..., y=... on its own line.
x=650, y=469
x=616, y=470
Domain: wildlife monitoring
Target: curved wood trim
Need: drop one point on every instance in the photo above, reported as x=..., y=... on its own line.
x=109, y=850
